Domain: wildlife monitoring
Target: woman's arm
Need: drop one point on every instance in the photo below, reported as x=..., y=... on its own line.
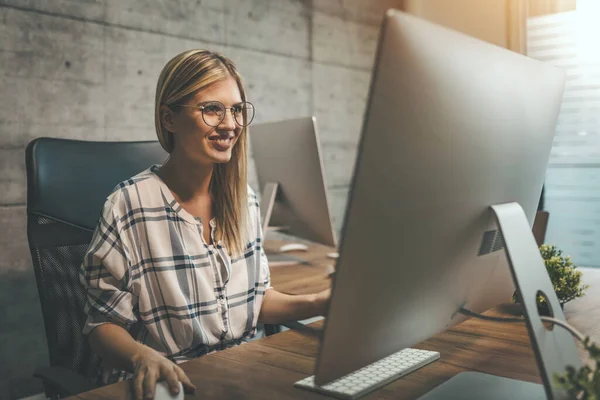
x=278, y=307
x=115, y=346
x=118, y=349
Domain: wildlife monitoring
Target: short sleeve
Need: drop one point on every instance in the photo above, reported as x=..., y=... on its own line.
x=264, y=278
x=105, y=273
x=265, y=274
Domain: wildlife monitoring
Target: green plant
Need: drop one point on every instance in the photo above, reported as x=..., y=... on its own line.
x=583, y=383
x=564, y=275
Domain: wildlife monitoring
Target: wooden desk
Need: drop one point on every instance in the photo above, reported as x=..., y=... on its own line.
x=267, y=368
x=302, y=278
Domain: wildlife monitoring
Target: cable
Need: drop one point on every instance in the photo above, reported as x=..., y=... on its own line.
x=554, y=321
x=470, y=313
x=566, y=326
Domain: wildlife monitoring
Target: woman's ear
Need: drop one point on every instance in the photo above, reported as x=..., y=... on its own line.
x=167, y=118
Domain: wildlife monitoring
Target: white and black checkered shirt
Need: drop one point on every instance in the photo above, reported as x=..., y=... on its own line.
x=149, y=270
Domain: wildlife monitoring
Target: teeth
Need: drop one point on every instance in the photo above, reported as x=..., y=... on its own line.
x=222, y=141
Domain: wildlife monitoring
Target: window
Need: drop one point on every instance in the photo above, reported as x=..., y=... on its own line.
x=572, y=190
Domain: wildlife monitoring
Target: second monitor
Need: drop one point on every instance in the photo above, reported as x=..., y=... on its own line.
x=290, y=172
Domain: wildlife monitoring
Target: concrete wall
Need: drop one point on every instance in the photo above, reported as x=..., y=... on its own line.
x=87, y=69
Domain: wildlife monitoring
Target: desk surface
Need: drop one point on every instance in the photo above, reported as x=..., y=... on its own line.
x=302, y=278
x=267, y=368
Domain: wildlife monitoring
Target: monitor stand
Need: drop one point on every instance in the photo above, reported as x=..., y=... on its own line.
x=268, y=197
x=267, y=202
x=554, y=349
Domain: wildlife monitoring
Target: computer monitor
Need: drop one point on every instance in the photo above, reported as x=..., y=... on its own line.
x=290, y=173
x=453, y=126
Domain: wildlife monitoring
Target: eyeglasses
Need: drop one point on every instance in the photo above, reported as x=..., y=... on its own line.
x=213, y=112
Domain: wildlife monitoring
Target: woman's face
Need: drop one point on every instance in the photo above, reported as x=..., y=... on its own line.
x=202, y=143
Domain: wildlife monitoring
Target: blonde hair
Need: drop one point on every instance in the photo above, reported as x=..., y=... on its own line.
x=182, y=77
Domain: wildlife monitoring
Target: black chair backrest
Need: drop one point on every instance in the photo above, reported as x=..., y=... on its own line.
x=68, y=182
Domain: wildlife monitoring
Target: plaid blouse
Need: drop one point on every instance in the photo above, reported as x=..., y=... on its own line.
x=149, y=270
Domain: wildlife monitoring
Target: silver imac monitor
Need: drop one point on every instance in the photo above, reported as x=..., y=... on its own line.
x=453, y=126
x=290, y=174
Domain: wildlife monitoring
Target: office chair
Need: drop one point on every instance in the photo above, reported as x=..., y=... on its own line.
x=68, y=182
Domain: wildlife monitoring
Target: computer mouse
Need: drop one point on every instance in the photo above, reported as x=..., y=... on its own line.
x=293, y=247
x=162, y=392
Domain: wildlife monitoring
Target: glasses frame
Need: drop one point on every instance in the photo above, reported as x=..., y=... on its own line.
x=201, y=108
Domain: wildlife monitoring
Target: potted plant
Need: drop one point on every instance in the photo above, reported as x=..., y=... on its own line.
x=564, y=275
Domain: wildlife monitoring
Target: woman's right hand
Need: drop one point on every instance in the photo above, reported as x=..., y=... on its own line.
x=149, y=367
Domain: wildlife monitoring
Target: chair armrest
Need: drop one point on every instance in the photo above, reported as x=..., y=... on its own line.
x=65, y=381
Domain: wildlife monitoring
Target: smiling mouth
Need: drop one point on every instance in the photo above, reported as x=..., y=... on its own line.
x=221, y=143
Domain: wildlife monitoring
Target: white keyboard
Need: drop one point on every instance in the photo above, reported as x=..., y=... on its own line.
x=373, y=376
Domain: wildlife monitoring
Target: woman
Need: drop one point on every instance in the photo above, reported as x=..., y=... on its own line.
x=176, y=267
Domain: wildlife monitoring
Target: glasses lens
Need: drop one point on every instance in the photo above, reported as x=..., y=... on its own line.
x=213, y=113
x=243, y=113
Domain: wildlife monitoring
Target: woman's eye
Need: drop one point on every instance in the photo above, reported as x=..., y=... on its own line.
x=212, y=108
